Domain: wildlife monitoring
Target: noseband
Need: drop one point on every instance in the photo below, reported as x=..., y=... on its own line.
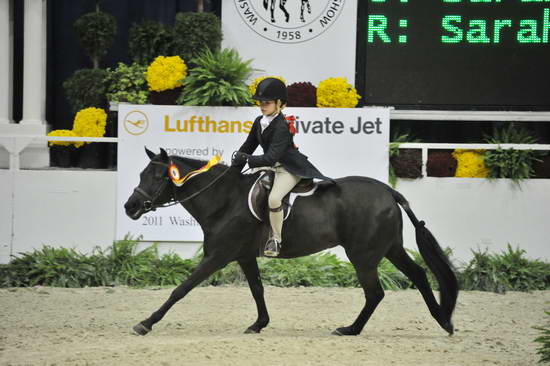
x=150, y=201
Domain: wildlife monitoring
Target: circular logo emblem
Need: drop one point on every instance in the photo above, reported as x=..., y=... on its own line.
x=289, y=21
x=136, y=123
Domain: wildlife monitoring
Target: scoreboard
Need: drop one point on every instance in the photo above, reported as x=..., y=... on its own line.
x=458, y=54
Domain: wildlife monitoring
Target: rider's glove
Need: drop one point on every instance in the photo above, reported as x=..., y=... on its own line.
x=239, y=158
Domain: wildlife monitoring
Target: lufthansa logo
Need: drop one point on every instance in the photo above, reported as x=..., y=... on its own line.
x=136, y=123
x=289, y=21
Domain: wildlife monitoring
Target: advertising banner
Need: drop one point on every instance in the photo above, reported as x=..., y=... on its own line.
x=299, y=40
x=338, y=141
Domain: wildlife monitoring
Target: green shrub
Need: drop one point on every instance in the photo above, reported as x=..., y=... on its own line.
x=50, y=267
x=123, y=264
x=127, y=84
x=96, y=32
x=218, y=79
x=86, y=88
x=150, y=39
x=510, y=163
x=318, y=270
x=544, y=340
x=508, y=271
x=120, y=264
x=195, y=31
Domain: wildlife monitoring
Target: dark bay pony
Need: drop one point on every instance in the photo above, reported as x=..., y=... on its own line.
x=358, y=213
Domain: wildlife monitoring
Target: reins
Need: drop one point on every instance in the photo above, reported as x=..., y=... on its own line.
x=175, y=202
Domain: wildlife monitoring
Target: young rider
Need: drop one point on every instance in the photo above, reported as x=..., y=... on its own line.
x=272, y=132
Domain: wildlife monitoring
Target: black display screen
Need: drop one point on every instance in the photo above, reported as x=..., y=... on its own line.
x=463, y=54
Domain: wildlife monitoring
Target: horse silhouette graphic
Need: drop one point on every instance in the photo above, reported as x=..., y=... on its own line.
x=270, y=4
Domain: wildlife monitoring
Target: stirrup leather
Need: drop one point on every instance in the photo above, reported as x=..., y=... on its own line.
x=277, y=209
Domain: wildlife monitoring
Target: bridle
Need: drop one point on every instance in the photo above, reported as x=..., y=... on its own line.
x=150, y=200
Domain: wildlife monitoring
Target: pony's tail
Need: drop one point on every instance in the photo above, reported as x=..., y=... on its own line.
x=437, y=262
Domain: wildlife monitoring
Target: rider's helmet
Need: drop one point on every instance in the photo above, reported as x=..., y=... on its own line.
x=271, y=89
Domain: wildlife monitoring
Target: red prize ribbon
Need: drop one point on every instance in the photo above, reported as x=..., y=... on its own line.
x=291, y=127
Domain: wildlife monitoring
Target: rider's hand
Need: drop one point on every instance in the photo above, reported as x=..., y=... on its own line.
x=239, y=158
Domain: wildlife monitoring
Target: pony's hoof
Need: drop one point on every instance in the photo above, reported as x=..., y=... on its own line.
x=141, y=329
x=344, y=331
x=251, y=331
x=448, y=327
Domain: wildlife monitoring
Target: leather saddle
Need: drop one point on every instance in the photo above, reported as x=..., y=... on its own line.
x=259, y=193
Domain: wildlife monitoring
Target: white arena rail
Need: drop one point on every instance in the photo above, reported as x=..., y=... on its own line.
x=15, y=144
x=427, y=146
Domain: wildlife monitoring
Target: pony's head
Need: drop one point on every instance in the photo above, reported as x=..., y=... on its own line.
x=153, y=189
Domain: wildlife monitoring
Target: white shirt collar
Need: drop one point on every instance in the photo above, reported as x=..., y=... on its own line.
x=266, y=120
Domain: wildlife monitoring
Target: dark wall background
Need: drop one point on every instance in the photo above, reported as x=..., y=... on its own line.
x=65, y=55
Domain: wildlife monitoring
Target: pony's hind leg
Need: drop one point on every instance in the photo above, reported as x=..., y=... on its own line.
x=252, y=273
x=367, y=273
x=401, y=260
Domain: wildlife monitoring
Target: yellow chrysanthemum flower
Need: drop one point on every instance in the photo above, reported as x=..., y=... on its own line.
x=166, y=73
x=63, y=133
x=90, y=122
x=336, y=93
x=470, y=163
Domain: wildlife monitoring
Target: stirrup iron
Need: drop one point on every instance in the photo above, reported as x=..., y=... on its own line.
x=272, y=247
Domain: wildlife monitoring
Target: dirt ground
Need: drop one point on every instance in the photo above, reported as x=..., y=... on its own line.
x=53, y=326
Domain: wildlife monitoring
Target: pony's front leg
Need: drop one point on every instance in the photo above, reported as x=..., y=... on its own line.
x=252, y=273
x=207, y=267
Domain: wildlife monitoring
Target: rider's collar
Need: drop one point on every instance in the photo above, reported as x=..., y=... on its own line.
x=266, y=120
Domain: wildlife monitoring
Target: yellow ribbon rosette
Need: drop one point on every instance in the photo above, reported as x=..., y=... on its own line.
x=176, y=178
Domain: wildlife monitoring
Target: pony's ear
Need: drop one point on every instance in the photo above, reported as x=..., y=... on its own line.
x=150, y=154
x=163, y=154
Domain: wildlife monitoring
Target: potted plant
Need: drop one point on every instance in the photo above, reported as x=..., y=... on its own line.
x=337, y=93
x=96, y=32
x=194, y=32
x=63, y=153
x=86, y=88
x=126, y=84
x=404, y=163
x=150, y=39
x=441, y=163
x=164, y=77
x=470, y=163
x=91, y=122
x=511, y=163
x=218, y=79
x=302, y=94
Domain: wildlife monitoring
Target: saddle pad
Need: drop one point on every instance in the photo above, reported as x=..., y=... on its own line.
x=257, y=199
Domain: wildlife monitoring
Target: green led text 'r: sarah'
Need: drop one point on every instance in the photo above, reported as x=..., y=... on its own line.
x=490, y=31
